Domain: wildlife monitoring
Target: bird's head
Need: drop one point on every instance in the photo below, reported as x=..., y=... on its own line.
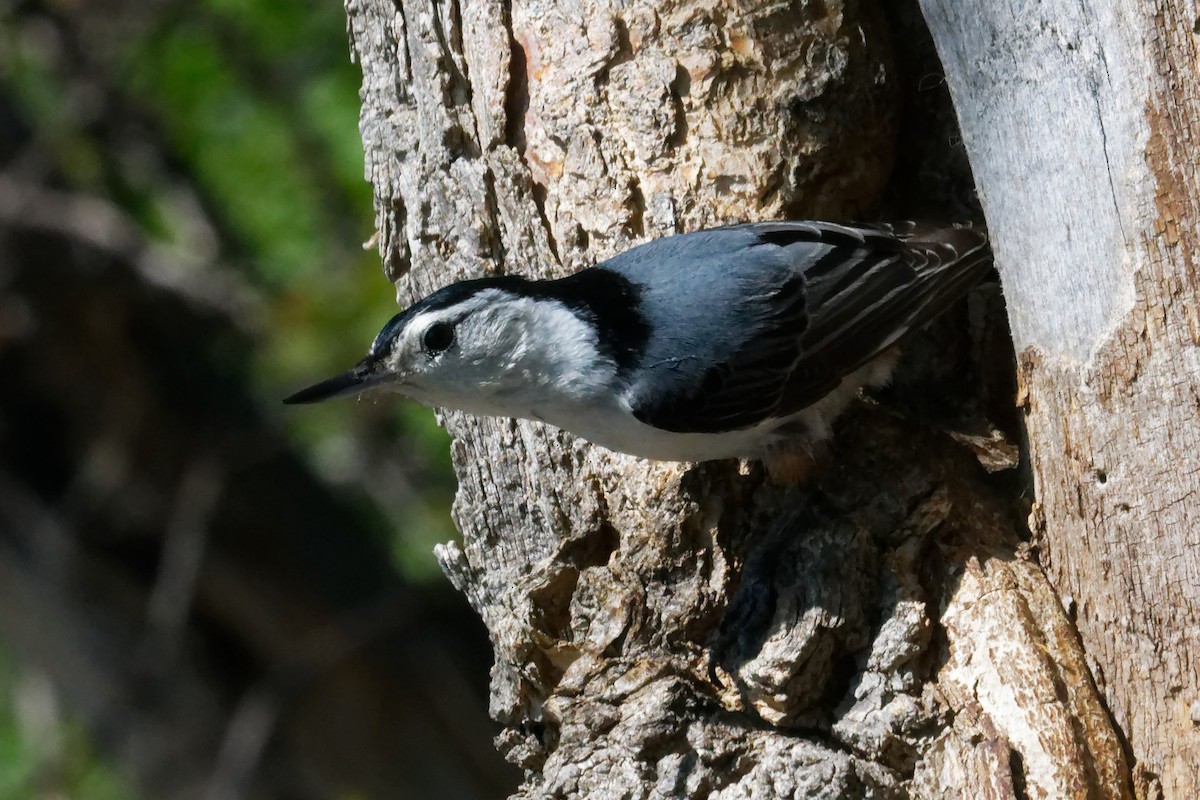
x=490, y=346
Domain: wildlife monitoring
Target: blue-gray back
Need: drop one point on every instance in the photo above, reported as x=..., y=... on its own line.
x=753, y=321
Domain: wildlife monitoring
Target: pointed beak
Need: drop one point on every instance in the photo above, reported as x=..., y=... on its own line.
x=367, y=374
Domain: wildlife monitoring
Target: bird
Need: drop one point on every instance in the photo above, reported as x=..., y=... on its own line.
x=744, y=341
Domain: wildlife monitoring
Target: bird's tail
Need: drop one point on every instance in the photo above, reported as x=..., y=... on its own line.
x=949, y=260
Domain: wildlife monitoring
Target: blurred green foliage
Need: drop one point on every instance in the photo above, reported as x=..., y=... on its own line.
x=43, y=756
x=251, y=113
x=226, y=131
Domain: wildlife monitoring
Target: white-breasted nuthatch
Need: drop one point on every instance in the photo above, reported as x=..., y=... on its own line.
x=737, y=342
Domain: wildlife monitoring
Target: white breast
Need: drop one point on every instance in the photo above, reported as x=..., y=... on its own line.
x=610, y=424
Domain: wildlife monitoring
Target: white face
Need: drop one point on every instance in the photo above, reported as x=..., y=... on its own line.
x=495, y=354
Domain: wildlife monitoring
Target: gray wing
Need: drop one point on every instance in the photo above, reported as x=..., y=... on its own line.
x=852, y=292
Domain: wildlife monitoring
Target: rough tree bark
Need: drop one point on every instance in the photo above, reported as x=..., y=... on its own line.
x=662, y=630
x=1081, y=124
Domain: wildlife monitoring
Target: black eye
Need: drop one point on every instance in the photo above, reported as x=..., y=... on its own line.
x=438, y=337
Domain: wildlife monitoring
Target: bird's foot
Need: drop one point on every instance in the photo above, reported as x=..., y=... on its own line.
x=793, y=463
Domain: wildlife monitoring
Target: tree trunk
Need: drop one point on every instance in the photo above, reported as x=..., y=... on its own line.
x=1081, y=126
x=665, y=630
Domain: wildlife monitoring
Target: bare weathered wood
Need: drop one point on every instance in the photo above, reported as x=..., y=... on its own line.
x=1081, y=122
x=663, y=630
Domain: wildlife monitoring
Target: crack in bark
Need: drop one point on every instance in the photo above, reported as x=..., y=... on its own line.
x=516, y=97
x=401, y=87
x=1016, y=770
x=460, y=87
x=637, y=205
x=680, y=88
x=539, y=199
